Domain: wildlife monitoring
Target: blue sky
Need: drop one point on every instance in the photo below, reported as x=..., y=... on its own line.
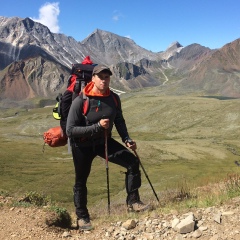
x=152, y=24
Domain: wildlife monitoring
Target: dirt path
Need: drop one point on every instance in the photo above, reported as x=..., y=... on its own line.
x=29, y=223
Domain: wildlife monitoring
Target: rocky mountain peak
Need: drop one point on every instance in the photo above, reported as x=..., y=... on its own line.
x=173, y=48
x=174, y=45
x=28, y=24
x=19, y=32
x=114, y=48
x=107, y=36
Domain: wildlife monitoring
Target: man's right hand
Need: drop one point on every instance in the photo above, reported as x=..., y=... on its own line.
x=104, y=123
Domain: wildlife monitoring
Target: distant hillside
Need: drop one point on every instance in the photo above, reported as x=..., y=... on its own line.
x=218, y=73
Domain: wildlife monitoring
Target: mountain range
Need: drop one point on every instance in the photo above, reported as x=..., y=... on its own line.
x=36, y=63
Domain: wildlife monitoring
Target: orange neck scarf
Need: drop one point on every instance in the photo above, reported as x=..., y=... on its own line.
x=88, y=91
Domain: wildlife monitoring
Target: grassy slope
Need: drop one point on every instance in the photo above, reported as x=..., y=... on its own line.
x=180, y=138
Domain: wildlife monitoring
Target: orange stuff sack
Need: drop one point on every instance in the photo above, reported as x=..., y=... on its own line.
x=54, y=137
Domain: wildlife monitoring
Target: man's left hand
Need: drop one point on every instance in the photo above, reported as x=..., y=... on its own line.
x=131, y=144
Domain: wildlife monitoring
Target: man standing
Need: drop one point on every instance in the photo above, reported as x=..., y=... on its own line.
x=87, y=141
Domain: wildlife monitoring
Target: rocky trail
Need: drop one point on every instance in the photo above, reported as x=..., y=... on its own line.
x=212, y=223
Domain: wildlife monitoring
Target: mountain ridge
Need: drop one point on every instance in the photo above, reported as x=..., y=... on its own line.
x=187, y=68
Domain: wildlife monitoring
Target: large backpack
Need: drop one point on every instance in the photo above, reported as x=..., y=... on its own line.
x=81, y=74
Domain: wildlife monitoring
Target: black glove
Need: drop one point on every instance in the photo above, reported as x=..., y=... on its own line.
x=128, y=140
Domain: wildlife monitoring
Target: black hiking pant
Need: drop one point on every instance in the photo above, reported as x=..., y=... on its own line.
x=118, y=154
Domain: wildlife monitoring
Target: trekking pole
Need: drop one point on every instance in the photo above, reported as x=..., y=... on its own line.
x=106, y=156
x=146, y=175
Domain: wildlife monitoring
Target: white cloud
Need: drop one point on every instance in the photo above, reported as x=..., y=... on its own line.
x=48, y=16
x=116, y=15
x=128, y=36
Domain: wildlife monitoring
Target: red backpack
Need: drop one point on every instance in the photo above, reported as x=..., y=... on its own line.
x=54, y=137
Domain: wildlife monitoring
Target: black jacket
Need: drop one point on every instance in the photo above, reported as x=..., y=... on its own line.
x=87, y=128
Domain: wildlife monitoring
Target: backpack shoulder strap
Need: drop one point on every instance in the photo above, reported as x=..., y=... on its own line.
x=76, y=89
x=115, y=98
x=85, y=103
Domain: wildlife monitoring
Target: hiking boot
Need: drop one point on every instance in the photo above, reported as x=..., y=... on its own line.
x=84, y=224
x=138, y=207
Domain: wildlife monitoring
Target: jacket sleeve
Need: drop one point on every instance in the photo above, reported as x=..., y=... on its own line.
x=76, y=126
x=119, y=121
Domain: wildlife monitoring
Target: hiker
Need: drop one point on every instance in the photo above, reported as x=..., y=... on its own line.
x=86, y=134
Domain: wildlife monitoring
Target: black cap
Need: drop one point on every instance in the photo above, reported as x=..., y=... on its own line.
x=99, y=68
